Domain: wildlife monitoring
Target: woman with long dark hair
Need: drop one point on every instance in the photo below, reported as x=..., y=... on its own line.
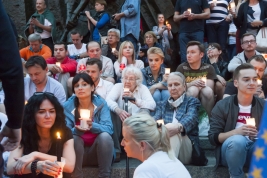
x=36, y=155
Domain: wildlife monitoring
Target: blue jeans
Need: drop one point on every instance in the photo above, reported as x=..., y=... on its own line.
x=184, y=38
x=236, y=152
x=231, y=48
x=132, y=39
x=160, y=95
x=218, y=33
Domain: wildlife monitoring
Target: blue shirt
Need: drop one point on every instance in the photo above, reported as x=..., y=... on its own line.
x=101, y=23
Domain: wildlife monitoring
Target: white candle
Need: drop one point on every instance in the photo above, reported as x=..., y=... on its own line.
x=167, y=70
x=251, y=121
x=189, y=10
x=58, y=64
x=126, y=89
x=113, y=50
x=124, y=60
x=215, y=2
x=160, y=121
x=259, y=82
x=85, y=115
x=232, y=4
x=204, y=79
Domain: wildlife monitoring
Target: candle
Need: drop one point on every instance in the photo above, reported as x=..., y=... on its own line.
x=215, y=2
x=58, y=64
x=259, y=81
x=204, y=79
x=160, y=121
x=26, y=102
x=232, y=4
x=124, y=60
x=189, y=10
x=126, y=89
x=264, y=55
x=113, y=50
x=82, y=67
x=58, y=149
x=85, y=115
x=251, y=121
x=166, y=22
x=167, y=70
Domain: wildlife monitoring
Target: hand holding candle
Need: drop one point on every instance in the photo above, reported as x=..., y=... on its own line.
x=189, y=10
x=113, y=50
x=58, y=64
x=214, y=2
x=160, y=121
x=85, y=115
x=204, y=79
x=259, y=81
x=232, y=5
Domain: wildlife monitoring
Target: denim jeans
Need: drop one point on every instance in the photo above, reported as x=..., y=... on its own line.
x=160, y=95
x=236, y=152
x=132, y=39
x=99, y=154
x=231, y=48
x=218, y=33
x=184, y=38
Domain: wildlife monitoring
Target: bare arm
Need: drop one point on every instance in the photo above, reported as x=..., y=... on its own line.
x=177, y=17
x=204, y=15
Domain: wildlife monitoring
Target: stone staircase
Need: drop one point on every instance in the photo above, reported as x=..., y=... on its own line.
x=119, y=169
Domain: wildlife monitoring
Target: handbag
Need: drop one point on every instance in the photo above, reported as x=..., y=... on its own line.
x=261, y=39
x=198, y=154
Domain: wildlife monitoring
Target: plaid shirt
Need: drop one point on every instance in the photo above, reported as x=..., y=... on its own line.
x=186, y=114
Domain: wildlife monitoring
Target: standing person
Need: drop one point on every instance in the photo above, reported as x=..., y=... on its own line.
x=164, y=34
x=217, y=26
x=129, y=21
x=231, y=47
x=191, y=22
x=147, y=141
x=100, y=21
x=43, y=23
x=229, y=130
x=11, y=75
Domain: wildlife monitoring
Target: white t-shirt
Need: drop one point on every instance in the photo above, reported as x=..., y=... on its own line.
x=74, y=51
x=45, y=34
x=103, y=88
x=244, y=113
x=254, y=13
x=232, y=29
x=159, y=165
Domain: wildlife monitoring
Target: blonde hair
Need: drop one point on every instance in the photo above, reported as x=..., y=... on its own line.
x=121, y=50
x=142, y=127
x=152, y=34
x=155, y=50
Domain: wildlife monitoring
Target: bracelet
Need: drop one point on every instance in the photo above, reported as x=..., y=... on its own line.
x=34, y=167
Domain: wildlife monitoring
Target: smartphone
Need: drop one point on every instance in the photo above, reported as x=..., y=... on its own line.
x=33, y=16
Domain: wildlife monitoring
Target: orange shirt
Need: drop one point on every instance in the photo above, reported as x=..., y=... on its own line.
x=26, y=53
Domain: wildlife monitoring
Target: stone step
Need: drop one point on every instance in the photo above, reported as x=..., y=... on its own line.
x=119, y=169
x=205, y=143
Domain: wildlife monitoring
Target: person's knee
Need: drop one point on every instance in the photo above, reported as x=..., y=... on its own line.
x=236, y=142
x=207, y=92
x=193, y=91
x=157, y=95
x=104, y=139
x=165, y=94
x=219, y=86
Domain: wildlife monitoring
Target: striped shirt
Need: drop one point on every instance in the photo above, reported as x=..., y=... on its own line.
x=219, y=12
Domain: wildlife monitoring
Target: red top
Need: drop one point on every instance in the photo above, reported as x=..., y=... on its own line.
x=67, y=65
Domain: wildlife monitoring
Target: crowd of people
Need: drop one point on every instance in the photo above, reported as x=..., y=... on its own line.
x=133, y=99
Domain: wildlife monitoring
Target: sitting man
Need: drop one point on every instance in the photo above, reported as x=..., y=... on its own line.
x=39, y=81
x=111, y=49
x=259, y=64
x=77, y=50
x=180, y=114
x=248, y=44
x=35, y=48
x=199, y=76
x=230, y=130
x=61, y=66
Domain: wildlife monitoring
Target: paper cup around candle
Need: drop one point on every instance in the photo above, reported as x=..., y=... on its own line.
x=124, y=60
x=85, y=115
x=204, y=79
x=126, y=89
x=167, y=70
x=160, y=121
x=61, y=164
x=259, y=82
x=58, y=64
x=189, y=10
x=113, y=50
x=251, y=121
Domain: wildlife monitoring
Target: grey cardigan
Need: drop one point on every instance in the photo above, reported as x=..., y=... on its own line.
x=224, y=117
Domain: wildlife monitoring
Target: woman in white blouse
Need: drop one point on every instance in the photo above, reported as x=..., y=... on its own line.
x=126, y=58
x=131, y=86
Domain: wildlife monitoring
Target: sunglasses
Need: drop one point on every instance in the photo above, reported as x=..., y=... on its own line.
x=41, y=93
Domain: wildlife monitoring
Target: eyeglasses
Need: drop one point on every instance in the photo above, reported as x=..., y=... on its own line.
x=149, y=37
x=249, y=42
x=41, y=93
x=129, y=79
x=211, y=48
x=113, y=36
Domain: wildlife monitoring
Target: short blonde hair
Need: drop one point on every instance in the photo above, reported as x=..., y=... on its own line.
x=155, y=50
x=121, y=49
x=152, y=34
x=133, y=70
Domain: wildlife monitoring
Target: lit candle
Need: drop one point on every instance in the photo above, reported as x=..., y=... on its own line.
x=85, y=115
x=26, y=102
x=215, y=2
x=259, y=81
x=58, y=64
x=251, y=121
x=167, y=70
x=58, y=149
x=160, y=121
x=113, y=50
x=232, y=4
x=189, y=10
x=166, y=22
x=126, y=90
x=204, y=79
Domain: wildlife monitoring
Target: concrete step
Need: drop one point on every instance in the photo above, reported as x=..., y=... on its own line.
x=205, y=143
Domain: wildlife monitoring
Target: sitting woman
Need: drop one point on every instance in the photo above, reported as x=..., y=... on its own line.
x=131, y=86
x=214, y=58
x=93, y=144
x=147, y=141
x=38, y=150
x=180, y=116
x=153, y=75
x=150, y=41
x=126, y=59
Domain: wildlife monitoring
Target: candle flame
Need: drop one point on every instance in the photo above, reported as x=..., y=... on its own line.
x=58, y=135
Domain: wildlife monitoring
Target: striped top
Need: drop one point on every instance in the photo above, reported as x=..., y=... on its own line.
x=219, y=12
